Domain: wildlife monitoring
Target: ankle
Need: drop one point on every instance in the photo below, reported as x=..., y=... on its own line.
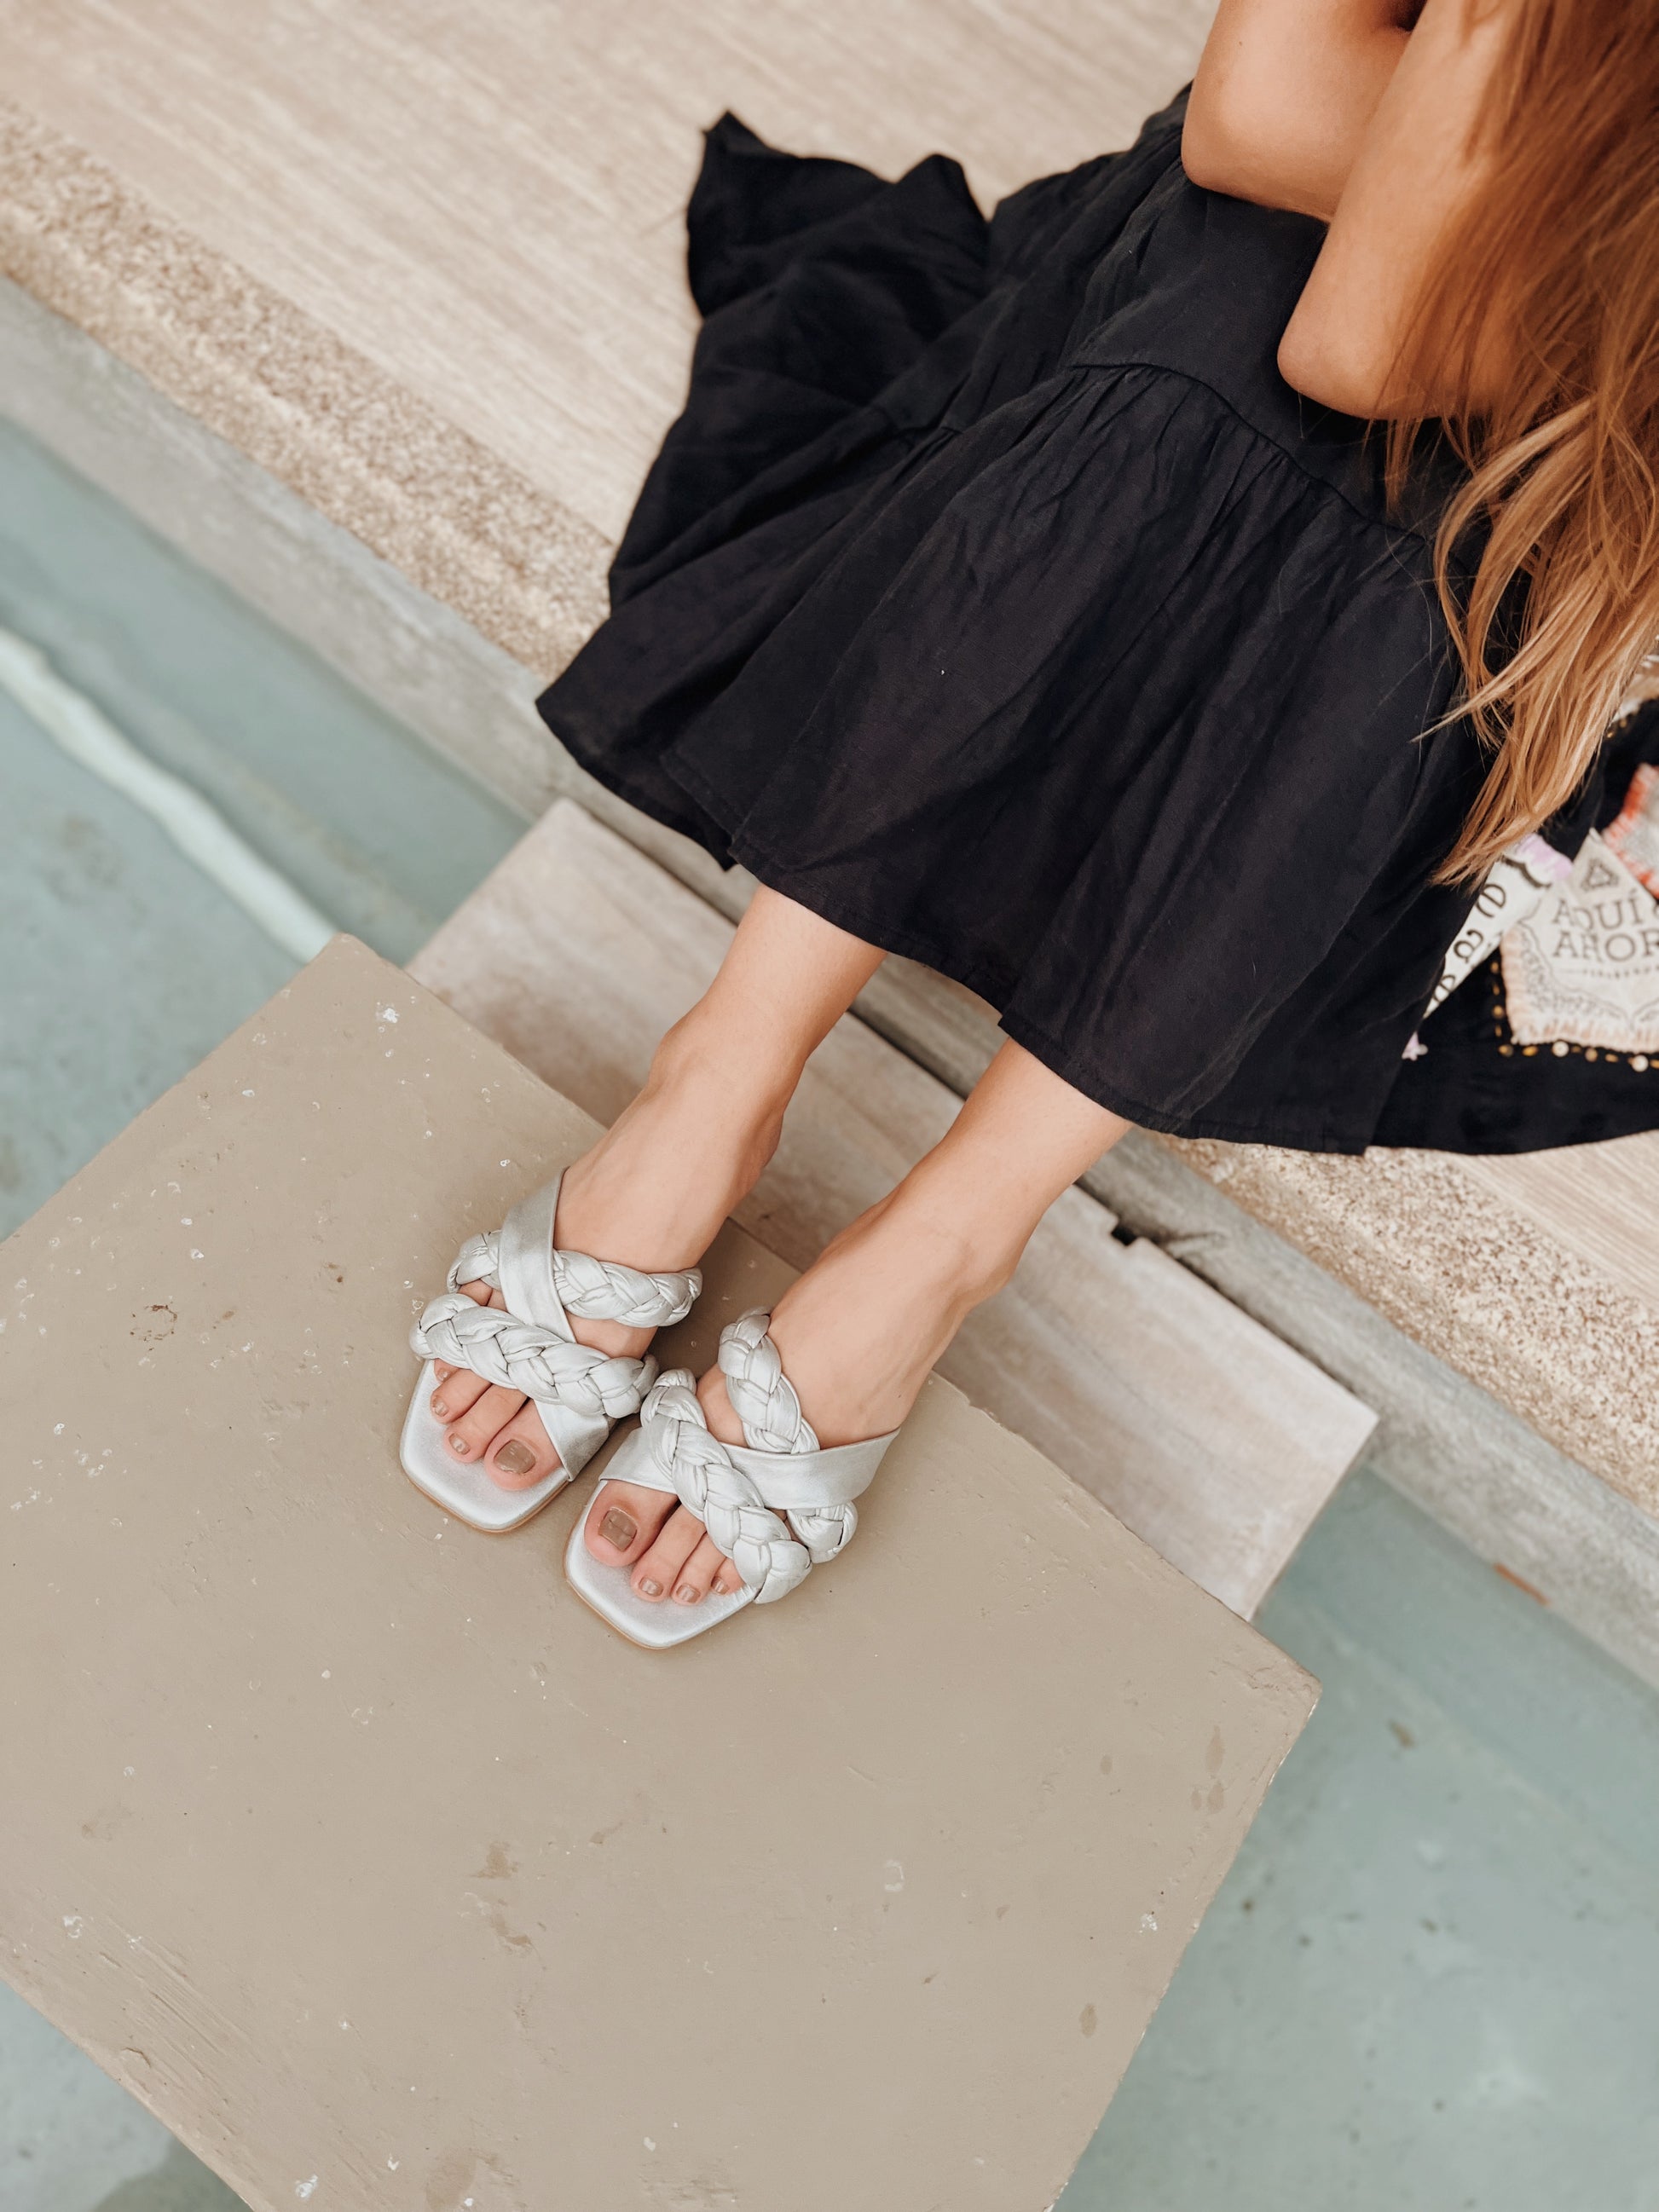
x=910, y=1260
x=707, y=1053
x=860, y=1331
x=961, y=1243
x=735, y=1096
x=687, y=1148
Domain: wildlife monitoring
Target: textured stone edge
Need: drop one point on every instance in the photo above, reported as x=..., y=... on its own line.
x=1564, y=1535
x=1476, y=1283
x=458, y=522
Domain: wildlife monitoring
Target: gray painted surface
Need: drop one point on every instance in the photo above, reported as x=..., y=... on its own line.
x=125, y=964
x=1432, y=1979
x=421, y=661
x=73, y=2141
x=1429, y=1979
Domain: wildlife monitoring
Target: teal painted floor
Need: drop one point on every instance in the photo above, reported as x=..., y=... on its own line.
x=122, y=964
x=1432, y=1982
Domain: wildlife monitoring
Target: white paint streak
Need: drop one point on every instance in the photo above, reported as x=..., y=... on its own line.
x=197, y=829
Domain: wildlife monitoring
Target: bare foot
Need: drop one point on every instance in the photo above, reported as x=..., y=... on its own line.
x=652, y=1194
x=857, y=1334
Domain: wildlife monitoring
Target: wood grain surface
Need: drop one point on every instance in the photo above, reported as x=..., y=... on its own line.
x=488, y=202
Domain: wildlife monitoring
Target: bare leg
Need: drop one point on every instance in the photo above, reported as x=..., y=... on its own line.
x=860, y=1329
x=657, y=1185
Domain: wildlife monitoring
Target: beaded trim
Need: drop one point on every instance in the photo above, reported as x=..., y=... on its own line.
x=1642, y=1062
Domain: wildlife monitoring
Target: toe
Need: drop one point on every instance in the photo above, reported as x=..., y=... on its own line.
x=471, y=1437
x=727, y=1581
x=659, y=1570
x=696, y=1576
x=623, y=1520
x=521, y=1456
x=457, y=1393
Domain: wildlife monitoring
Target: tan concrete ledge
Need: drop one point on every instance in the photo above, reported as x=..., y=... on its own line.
x=424, y=267
x=363, y=449
x=1537, y=1278
x=389, y=1877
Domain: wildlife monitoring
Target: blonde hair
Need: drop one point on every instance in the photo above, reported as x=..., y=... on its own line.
x=1543, y=311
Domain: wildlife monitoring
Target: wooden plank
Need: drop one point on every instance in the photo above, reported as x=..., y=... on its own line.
x=389, y=1878
x=488, y=202
x=1515, y=1499
x=1197, y=1427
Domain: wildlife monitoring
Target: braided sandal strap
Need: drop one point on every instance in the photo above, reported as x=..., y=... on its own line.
x=698, y=1468
x=762, y=1396
x=773, y=1550
x=763, y=1399
x=538, y=1362
x=589, y=1389
x=593, y=1290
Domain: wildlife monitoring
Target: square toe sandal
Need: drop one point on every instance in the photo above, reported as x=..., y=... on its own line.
x=527, y=1346
x=777, y=1505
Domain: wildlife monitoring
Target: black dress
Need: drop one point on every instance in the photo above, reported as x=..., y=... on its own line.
x=995, y=599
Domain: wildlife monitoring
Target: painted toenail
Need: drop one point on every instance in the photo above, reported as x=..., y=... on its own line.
x=440, y=1408
x=515, y=1458
x=650, y=1589
x=619, y=1529
x=687, y=1594
x=459, y=1444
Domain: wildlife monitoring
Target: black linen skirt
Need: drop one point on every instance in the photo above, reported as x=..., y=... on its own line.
x=995, y=599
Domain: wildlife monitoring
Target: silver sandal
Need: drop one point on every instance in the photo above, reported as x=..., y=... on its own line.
x=527, y=1346
x=777, y=1505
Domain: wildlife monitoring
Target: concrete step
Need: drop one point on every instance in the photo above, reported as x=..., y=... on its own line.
x=366, y=1855
x=1202, y=1431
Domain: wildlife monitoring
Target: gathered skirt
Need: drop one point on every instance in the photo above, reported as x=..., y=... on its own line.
x=996, y=599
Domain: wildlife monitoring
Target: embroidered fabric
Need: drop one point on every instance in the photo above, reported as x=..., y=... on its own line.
x=1634, y=835
x=1577, y=939
x=1584, y=967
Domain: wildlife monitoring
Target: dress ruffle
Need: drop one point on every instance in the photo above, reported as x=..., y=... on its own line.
x=995, y=599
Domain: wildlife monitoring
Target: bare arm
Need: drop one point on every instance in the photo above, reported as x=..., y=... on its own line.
x=1413, y=167
x=1283, y=94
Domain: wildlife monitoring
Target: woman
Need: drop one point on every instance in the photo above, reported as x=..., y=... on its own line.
x=1041, y=600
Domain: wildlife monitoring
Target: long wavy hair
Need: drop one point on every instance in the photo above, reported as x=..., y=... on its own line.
x=1542, y=312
